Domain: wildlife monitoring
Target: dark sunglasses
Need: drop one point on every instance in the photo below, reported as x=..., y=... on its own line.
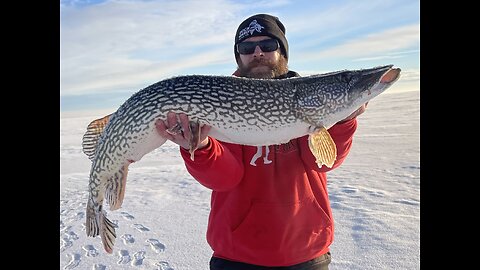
x=266, y=45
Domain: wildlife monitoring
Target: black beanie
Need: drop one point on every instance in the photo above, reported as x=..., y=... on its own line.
x=261, y=25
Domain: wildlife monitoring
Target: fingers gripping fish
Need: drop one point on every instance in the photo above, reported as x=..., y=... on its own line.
x=194, y=127
x=245, y=111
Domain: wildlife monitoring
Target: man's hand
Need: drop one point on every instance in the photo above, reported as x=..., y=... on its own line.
x=355, y=113
x=181, y=138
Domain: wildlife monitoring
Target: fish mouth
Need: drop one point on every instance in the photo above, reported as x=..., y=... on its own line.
x=390, y=76
x=379, y=78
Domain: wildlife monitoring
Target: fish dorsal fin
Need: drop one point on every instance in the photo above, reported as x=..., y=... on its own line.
x=90, y=138
x=323, y=147
x=115, y=191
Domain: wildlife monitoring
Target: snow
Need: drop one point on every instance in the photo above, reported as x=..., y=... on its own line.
x=375, y=199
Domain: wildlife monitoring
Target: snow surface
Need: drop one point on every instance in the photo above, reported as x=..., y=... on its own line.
x=375, y=199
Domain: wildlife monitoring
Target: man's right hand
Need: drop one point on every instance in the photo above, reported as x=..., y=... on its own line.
x=181, y=138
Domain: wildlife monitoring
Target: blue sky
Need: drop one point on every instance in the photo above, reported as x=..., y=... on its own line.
x=112, y=49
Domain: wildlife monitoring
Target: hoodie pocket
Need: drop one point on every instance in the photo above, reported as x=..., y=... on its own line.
x=277, y=230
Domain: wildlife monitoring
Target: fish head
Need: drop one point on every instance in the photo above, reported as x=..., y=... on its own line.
x=369, y=83
x=324, y=100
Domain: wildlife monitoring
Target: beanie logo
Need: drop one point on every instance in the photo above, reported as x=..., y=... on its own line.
x=252, y=27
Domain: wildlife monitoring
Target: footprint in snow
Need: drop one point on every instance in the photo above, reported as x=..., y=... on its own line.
x=163, y=266
x=74, y=261
x=99, y=267
x=64, y=244
x=67, y=240
x=138, y=258
x=124, y=257
x=126, y=215
x=349, y=190
x=71, y=235
x=140, y=227
x=90, y=251
x=127, y=239
x=156, y=245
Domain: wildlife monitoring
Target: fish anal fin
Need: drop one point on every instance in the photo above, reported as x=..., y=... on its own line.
x=323, y=147
x=90, y=138
x=107, y=233
x=115, y=191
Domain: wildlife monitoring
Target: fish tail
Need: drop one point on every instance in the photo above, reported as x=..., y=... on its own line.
x=97, y=223
x=108, y=234
x=92, y=226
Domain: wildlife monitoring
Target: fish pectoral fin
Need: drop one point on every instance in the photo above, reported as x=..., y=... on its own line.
x=115, y=190
x=323, y=147
x=90, y=138
x=107, y=233
x=194, y=137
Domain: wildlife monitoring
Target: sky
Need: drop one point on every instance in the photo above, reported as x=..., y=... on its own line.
x=112, y=49
x=374, y=195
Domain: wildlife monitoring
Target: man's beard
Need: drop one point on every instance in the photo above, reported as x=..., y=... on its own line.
x=269, y=69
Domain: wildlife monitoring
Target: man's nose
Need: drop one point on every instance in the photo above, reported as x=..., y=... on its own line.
x=258, y=52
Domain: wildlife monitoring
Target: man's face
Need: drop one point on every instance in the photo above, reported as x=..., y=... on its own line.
x=260, y=64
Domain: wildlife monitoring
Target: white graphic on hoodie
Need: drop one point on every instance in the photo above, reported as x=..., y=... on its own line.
x=258, y=154
x=252, y=27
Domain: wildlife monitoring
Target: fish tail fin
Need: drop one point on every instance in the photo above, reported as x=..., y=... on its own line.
x=97, y=223
x=323, y=147
x=115, y=191
x=107, y=234
x=92, y=225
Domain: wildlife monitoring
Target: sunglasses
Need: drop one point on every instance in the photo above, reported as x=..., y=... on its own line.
x=266, y=45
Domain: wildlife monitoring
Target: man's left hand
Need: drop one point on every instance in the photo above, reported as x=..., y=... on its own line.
x=355, y=113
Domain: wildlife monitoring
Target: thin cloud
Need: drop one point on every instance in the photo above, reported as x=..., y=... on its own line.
x=330, y=21
x=400, y=38
x=394, y=55
x=100, y=44
x=131, y=75
x=124, y=45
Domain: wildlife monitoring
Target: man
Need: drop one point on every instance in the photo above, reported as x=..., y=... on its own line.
x=269, y=205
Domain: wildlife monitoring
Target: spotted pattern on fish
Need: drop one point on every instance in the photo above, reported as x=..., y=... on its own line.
x=240, y=102
x=239, y=110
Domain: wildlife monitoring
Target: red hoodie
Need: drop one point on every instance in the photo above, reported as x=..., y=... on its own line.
x=269, y=205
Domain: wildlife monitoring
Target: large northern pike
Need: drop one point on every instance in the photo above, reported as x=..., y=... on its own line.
x=240, y=110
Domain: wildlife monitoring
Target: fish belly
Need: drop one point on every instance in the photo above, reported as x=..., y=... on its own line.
x=259, y=137
x=147, y=142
